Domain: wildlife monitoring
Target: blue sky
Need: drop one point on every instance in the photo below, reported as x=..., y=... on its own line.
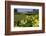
x=25, y=10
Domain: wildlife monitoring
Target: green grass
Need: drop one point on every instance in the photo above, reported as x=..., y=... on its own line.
x=22, y=20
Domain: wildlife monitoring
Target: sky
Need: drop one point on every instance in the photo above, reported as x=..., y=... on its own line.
x=25, y=10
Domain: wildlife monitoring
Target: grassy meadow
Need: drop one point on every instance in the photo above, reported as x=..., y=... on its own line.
x=26, y=20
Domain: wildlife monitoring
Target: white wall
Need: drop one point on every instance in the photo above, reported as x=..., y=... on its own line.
x=2, y=18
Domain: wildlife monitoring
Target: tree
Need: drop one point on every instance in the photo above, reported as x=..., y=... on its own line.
x=15, y=11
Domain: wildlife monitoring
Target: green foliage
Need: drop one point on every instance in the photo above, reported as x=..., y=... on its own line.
x=22, y=20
